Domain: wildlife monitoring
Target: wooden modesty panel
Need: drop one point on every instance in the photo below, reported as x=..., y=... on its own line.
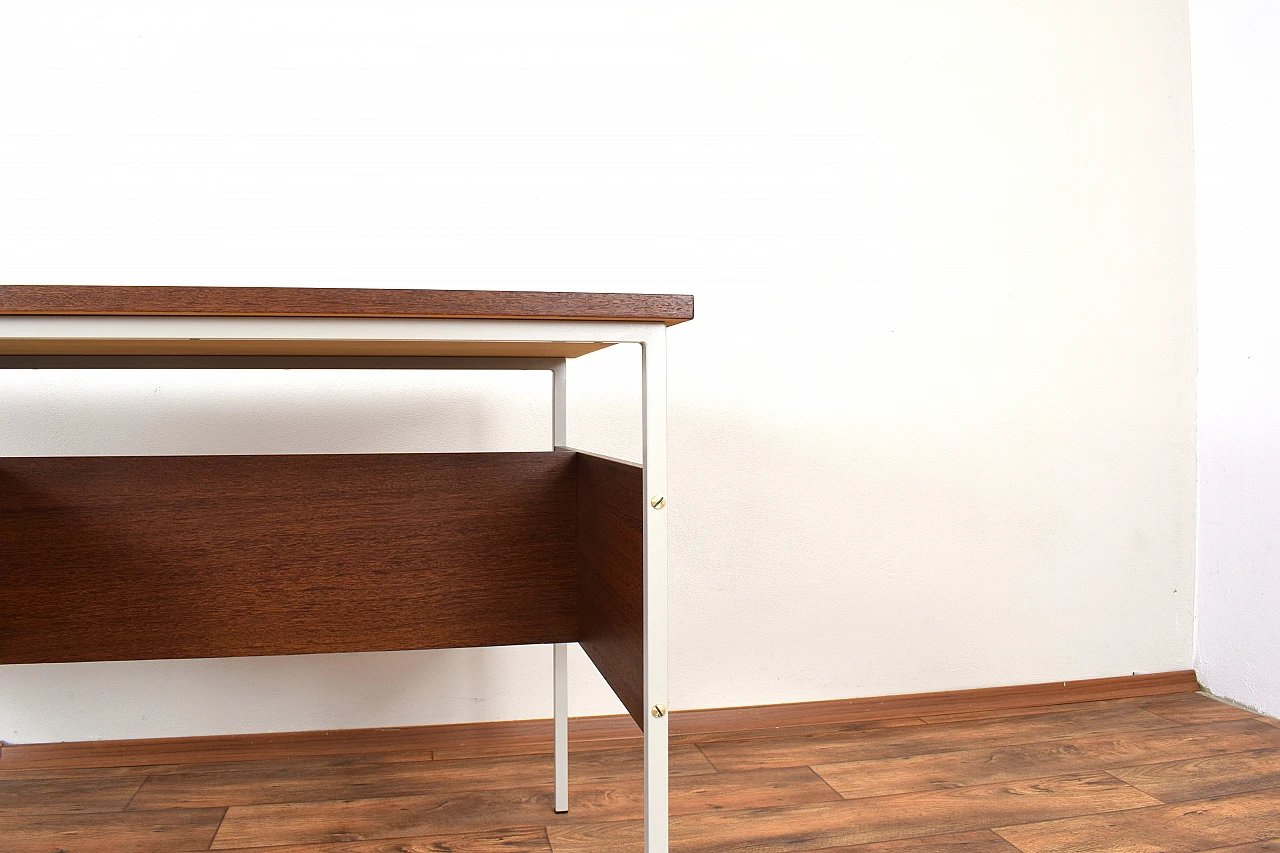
x=342, y=302
x=611, y=574
x=130, y=558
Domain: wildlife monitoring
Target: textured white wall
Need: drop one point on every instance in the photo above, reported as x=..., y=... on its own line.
x=1236, y=73
x=933, y=427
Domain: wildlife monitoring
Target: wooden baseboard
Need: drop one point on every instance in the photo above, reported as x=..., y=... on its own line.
x=933, y=704
x=535, y=735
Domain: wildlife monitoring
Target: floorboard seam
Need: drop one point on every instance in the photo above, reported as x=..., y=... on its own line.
x=707, y=758
x=825, y=782
x=218, y=829
x=135, y=793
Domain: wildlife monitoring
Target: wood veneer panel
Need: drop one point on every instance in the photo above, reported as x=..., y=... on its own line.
x=130, y=558
x=611, y=574
x=341, y=302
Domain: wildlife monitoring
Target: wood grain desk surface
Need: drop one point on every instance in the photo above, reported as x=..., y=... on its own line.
x=16, y=299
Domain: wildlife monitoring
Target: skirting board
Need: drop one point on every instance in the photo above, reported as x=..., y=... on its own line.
x=535, y=735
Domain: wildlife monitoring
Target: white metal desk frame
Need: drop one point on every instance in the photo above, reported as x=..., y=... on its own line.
x=652, y=340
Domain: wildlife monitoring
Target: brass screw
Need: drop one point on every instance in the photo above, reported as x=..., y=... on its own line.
x=659, y=710
x=657, y=501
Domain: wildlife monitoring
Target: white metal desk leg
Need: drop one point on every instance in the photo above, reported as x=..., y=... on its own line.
x=559, y=412
x=562, y=727
x=655, y=591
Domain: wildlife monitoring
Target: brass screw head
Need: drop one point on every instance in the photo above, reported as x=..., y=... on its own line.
x=659, y=710
x=657, y=501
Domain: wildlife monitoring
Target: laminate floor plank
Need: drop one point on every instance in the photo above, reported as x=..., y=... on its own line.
x=982, y=841
x=1031, y=711
x=852, y=822
x=626, y=837
x=67, y=796
x=517, y=735
x=524, y=839
x=1270, y=845
x=285, y=766
x=467, y=811
x=1192, y=708
x=468, y=753
x=138, y=773
x=1189, y=827
x=396, y=817
x=357, y=780
x=829, y=748
x=1044, y=779
x=121, y=832
x=1211, y=776
x=938, y=771
x=851, y=729
x=545, y=747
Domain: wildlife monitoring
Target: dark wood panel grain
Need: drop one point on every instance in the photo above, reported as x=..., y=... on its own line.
x=611, y=574
x=128, y=558
x=341, y=302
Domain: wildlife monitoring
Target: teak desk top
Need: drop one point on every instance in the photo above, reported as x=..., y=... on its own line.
x=352, y=308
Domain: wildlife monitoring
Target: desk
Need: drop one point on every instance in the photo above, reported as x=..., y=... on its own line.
x=134, y=558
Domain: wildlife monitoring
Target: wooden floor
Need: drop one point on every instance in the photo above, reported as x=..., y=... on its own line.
x=1177, y=773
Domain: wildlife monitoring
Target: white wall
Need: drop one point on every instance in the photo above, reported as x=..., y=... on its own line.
x=932, y=428
x=1236, y=74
